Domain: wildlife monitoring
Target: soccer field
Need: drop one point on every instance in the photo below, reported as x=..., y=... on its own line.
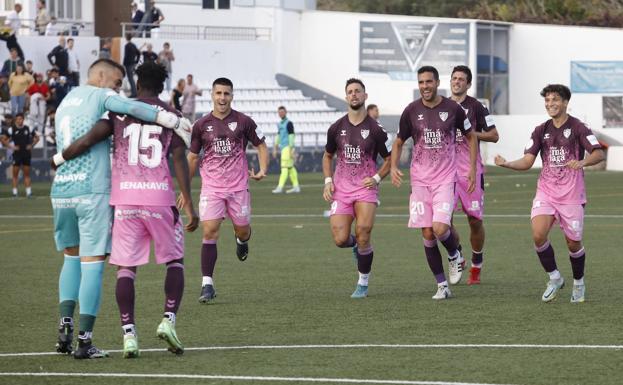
x=286, y=316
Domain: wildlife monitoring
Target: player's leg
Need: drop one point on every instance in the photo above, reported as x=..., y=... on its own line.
x=212, y=210
x=15, y=175
x=239, y=210
x=283, y=177
x=442, y=206
x=94, y=222
x=341, y=219
x=27, y=182
x=572, y=224
x=541, y=224
x=294, y=178
x=67, y=239
x=364, y=213
x=477, y=239
x=125, y=295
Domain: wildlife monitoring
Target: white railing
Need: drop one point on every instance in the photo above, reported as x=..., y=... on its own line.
x=195, y=32
x=67, y=27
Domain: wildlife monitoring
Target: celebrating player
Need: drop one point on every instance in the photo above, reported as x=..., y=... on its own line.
x=353, y=190
x=560, y=194
x=80, y=198
x=472, y=203
x=223, y=135
x=432, y=122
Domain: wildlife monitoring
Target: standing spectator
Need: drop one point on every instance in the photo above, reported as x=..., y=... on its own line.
x=105, y=50
x=177, y=94
x=52, y=29
x=39, y=94
x=188, y=103
x=12, y=20
x=28, y=68
x=154, y=18
x=42, y=19
x=148, y=54
x=165, y=57
x=137, y=17
x=131, y=56
x=5, y=92
x=23, y=139
x=19, y=81
x=73, y=64
x=373, y=111
x=14, y=23
x=60, y=56
x=10, y=64
x=58, y=88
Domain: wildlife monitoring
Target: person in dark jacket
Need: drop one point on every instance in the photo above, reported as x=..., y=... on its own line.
x=131, y=56
x=58, y=57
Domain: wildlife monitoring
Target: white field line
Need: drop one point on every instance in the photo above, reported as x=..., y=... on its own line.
x=614, y=216
x=236, y=378
x=358, y=346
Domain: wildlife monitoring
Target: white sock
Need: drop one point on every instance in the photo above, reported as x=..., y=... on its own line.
x=129, y=329
x=578, y=281
x=363, y=279
x=477, y=265
x=28, y=191
x=170, y=316
x=14, y=191
x=207, y=281
x=444, y=283
x=554, y=274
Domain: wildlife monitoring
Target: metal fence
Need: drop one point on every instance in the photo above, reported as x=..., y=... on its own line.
x=65, y=27
x=195, y=32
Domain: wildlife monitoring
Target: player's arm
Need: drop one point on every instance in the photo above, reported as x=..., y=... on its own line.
x=276, y=146
x=180, y=165
x=396, y=174
x=490, y=136
x=262, y=156
x=473, y=158
x=383, y=148
x=590, y=144
x=592, y=159
x=100, y=131
x=521, y=164
x=327, y=162
x=291, y=137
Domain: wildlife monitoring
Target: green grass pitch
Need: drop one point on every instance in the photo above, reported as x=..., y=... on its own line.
x=295, y=290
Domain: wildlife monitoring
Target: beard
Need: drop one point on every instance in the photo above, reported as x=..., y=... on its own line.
x=356, y=107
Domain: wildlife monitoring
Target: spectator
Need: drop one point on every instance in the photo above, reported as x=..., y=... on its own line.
x=58, y=88
x=53, y=29
x=105, y=50
x=165, y=57
x=13, y=21
x=137, y=17
x=5, y=91
x=189, y=103
x=73, y=64
x=6, y=122
x=19, y=81
x=60, y=56
x=10, y=64
x=11, y=42
x=23, y=139
x=28, y=68
x=131, y=56
x=154, y=18
x=373, y=112
x=39, y=94
x=177, y=94
x=149, y=54
x=42, y=19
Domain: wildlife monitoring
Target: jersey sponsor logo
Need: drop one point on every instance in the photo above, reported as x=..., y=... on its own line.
x=489, y=120
x=343, y=133
x=566, y=133
x=162, y=186
x=352, y=154
x=365, y=133
x=222, y=147
x=232, y=126
x=459, y=135
x=592, y=140
x=70, y=178
x=432, y=138
x=557, y=157
x=443, y=115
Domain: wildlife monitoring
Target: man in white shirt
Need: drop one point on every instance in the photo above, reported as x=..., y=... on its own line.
x=12, y=19
x=73, y=64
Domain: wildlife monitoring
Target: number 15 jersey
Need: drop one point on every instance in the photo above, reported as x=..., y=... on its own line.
x=140, y=166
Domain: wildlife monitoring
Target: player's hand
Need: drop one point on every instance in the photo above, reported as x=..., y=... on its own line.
x=471, y=179
x=327, y=193
x=499, y=160
x=184, y=131
x=396, y=175
x=575, y=164
x=194, y=219
x=369, y=182
x=181, y=202
x=259, y=176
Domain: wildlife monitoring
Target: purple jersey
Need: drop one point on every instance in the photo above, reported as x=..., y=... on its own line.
x=224, y=165
x=357, y=148
x=557, y=146
x=140, y=167
x=434, y=140
x=480, y=120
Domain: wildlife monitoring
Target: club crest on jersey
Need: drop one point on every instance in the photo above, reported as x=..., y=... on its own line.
x=566, y=133
x=365, y=133
x=232, y=126
x=420, y=116
x=443, y=116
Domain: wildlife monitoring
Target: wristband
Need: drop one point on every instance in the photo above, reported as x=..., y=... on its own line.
x=328, y=180
x=377, y=178
x=58, y=159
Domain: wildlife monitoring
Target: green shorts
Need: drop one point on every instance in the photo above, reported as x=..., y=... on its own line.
x=85, y=221
x=286, y=158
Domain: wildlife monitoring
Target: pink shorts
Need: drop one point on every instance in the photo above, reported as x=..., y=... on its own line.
x=345, y=205
x=570, y=217
x=472, y=203
x=220, y=205
x=134, y=228
x=428, y=204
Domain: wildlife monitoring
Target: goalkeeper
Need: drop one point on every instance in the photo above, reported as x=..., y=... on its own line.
x=285, y=141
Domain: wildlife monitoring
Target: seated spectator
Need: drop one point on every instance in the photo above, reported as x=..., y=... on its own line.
x=39, y=94
x=10, y=64
x=19, y=81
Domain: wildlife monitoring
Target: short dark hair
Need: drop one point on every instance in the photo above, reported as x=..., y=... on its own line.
x=432, y=69
x=282, y=108
x=19, y=114
x=465, y=70
x=222, y=82
x=70, y=39
x=109, y=63
x=354, y=80
x=151, y=76
x=128, y=36
x=560, y=89
x=28, y=61
x=371, y=106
